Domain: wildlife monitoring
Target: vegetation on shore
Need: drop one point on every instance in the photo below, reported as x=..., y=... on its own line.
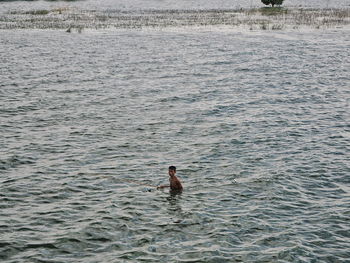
x=40, y=11
x=272, y=2
x=266, y=18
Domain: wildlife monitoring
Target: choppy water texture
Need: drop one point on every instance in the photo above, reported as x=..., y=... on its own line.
x=257, y=123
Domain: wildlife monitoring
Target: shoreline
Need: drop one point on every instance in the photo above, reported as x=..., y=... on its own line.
x=265, y=18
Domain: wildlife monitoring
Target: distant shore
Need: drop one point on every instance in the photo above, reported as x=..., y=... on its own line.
x=265, y=18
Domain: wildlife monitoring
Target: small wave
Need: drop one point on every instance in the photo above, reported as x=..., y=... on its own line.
x=15, y=161
x=40, y=245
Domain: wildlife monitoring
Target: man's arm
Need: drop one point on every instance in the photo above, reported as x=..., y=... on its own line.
x=162, y=186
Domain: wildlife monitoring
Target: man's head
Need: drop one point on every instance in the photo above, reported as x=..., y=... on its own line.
x=172, y=170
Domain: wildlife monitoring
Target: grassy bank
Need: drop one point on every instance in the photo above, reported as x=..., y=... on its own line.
x=254, y=19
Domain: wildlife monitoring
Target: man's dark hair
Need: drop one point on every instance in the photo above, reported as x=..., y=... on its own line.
x=172, y=168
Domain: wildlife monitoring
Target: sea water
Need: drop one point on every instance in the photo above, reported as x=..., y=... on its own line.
x=257, y=123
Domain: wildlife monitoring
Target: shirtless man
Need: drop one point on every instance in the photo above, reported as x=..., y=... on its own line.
x=175, y=184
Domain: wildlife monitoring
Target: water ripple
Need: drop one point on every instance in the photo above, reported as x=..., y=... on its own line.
x=259, y=136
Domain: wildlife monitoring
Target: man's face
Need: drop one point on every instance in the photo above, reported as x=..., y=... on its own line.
x=172, y=172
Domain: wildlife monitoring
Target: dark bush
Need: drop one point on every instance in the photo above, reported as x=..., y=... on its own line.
x=272, y=2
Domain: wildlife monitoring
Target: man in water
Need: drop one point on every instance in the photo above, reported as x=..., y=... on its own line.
x=175, y=184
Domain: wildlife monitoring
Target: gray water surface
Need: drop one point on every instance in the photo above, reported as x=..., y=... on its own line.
x=168, y=4
x=257, y=123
